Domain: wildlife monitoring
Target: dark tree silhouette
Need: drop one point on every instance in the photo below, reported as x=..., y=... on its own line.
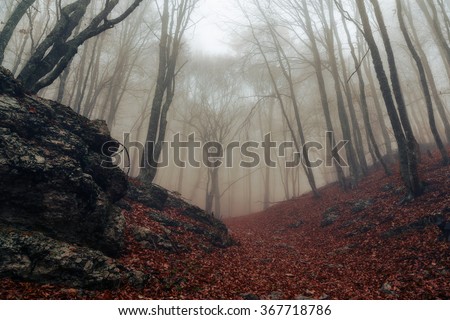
x=55, y=52
x=424, y=84
x=408, y=168
x=175, y=19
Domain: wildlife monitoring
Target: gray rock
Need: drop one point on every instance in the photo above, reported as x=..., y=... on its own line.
x=217, y=233
x=58, y=189
x=436, y=219
x=330, y=215
x=33, y=256
x=150, y=195
x=296, y=225
x=154, y=241
x=250, y=296
x=156, y=197
x=361, y=205
x=56, y=176
x=386, y=288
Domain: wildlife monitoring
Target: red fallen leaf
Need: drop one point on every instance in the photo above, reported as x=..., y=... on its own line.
x=32, y=109
x=70, y=291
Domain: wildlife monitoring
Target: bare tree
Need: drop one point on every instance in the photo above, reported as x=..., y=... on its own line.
x=408, y=164
x=424, y=84
x=435, y=26
x=299, y=11
x=429, y=74
x=175, y=19
x=345, y=125
x=212, y=112
x=356, y=131
x=363, y=100
x=412, y=147
x=56, y=51
x=287, y=72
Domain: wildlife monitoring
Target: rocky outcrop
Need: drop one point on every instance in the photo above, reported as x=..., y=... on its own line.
x=150, y=195
x=217, y=233
x=34, y=256
x=58, y=188
x=189, y=219
x=158, y=198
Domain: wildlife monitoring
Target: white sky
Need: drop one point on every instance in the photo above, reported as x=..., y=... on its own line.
x=210, y=35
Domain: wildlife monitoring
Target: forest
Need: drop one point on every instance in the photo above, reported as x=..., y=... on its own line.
x=208, y=149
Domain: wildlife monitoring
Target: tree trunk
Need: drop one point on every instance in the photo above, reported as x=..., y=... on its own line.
x=323, y=93
x=278, y=95
x=172, y=31
x=345, y=125
x=11, y=24
x=430, y=77
x=379, y=111
x=359, y=144
x=389, y=101
x=372, y=143
x=286, y=69
x=433, y=22
x=412, y=150
x=424, y=84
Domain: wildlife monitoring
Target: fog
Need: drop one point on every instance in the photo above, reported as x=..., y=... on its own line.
x=236, y=71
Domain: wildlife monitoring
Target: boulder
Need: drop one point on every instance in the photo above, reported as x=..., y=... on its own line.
x=58, y=190
x=57, y=176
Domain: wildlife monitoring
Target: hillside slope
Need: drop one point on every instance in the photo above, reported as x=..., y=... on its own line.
x=360, y=244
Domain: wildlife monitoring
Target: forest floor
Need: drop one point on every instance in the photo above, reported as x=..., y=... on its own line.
x=369, y=247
